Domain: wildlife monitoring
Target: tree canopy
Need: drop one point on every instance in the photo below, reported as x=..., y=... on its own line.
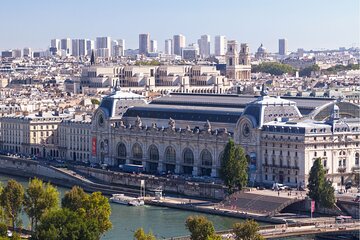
x=320, y=190
x=64, y=224
x=11, y=199
x=306, y=72
x=234, y=167
x=273, y=68
x=92, y=206
x=338, y=68
x=141, y=235
x=248, y=230
x=201, y=228
x=39, y=198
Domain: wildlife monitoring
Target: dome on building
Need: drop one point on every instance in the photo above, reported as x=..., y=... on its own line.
x=116, y=104
x=261, y=49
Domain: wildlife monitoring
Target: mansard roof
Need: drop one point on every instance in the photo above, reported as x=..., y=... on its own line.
x=305, y=104
x=346, y=110
x=186, y=113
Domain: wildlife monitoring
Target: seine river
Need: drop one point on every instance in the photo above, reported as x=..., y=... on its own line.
x=163, y=222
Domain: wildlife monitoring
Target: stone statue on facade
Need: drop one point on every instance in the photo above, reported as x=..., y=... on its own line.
x=121, y=123
x=172, y=124
x=138, y=122
x=188, y=128
x=207, y=126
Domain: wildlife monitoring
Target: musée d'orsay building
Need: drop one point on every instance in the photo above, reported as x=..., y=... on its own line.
x=187, y=133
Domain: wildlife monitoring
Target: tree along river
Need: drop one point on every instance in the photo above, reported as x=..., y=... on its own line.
x=163, y=222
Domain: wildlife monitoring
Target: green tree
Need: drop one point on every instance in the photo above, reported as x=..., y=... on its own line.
x=3, y=229
x=74, y=199
x=273, y=68
x=200, y=228
x=39, y=198
x=95, y=101
x=328, y=195
x=234, y=166
x=94, y=206
x=320, y=190
x=11, y=199
x=141, y=235
x=64, y=224
x=97, y=207
x=248, y=230
x=316, y=180
x=306, y=72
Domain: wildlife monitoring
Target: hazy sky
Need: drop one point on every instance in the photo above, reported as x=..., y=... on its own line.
x=309, y=24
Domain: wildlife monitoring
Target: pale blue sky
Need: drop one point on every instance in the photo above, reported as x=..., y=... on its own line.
x=309, y=24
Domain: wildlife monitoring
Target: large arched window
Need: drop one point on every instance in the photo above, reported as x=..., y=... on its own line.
x=206, y=158
x=357, y=158
x=221, y=155
x=137, y=151
x=188, y=156
x=153, y=153
x=170, y=154
x=121, y=150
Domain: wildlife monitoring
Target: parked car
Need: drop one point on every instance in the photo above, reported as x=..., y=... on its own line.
x=279, y=186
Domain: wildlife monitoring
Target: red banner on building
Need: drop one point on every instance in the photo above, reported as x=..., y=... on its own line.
x=93, y=146
x=312, y=206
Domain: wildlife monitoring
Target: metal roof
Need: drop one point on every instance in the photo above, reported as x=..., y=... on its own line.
x=193, y=113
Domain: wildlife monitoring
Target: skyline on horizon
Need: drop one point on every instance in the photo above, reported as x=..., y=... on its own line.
x=336, y=25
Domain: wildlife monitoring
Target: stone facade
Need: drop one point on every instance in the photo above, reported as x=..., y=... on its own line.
x=187, y=136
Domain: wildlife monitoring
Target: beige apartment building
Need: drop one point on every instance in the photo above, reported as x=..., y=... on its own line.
x=172, y=78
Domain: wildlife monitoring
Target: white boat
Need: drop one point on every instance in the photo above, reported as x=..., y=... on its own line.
x=126, y=200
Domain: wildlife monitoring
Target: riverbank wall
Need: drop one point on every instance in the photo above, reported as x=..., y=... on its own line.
x=173, y=186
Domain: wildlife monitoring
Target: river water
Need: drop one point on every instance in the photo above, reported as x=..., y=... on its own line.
x=163, y=222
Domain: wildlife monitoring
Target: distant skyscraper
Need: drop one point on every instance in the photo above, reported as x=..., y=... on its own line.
x=114, y=44
x=220, y=45
x=90, y=46
x=103, y=47
x=55, y=43
x=121, y=43
x=27, y=52
x=66, y=45
x=144, y=43
x=282, y=46
x=16, y=53
x=75, y=47
x=153, y=46
x=204, y=46
x=168, y=46
x=179, y=43
x=82, y=47
x=191, y=52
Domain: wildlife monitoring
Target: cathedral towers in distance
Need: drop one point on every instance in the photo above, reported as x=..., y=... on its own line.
x=238, y=65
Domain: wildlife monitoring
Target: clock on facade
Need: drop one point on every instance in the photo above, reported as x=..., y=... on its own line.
x=246, y=130
x=101, y=120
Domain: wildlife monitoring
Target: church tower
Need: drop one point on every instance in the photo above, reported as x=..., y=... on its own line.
x=232, y=59
x=244, y=55
x=238, y=65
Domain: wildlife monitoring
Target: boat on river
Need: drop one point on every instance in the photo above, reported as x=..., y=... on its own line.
x=126, y=200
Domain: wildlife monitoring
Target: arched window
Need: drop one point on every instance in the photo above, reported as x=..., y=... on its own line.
x=206, y=158
x=357, y=158
x=153, y=153
x=221, y=155
x=121, y=150
x=170, y=154
x=188, y=156
x=137, y=151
